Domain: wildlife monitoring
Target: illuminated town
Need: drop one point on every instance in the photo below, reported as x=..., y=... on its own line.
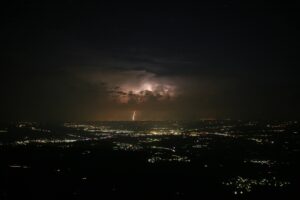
x=239, y=158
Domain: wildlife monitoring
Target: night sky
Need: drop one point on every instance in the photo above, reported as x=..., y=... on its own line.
x=78, y=60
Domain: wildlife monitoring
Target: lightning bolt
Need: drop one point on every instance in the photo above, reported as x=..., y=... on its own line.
x=133, y=116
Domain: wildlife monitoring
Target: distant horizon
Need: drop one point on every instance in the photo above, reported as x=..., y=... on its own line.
x=136, y=121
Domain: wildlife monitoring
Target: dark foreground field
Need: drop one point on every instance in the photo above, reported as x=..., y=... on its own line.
x=150, y=160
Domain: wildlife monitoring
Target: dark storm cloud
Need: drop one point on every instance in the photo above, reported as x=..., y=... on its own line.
x=44, y=96
x=76, y=60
